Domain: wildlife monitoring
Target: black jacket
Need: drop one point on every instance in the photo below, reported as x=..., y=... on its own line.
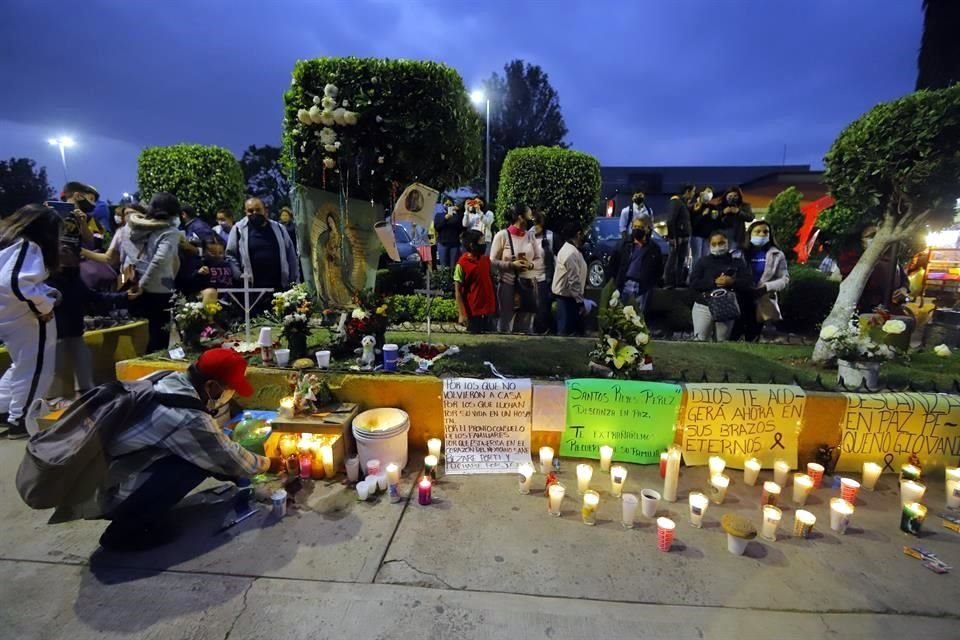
x=678, y=222
x=651, y=265
x=448, y=231
x=710, y=267
x=705, y=219
x=736, y=221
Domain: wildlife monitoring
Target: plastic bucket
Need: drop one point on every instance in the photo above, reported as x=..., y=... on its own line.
x=381, y=434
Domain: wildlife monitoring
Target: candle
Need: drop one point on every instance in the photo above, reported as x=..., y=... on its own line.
x=381, y=481
x=606, y=455
x=673, y=474
x=629, y=511
x=717, y=465
x=751, y=469
x=618, y=476
x=433, y=447
x=849, y=489
x=871, y=473
x=555, y=498
x=373, y=467
x=424, y=496
x=698, y=507
x=840, y=513
x=781, y=471
x=393, y=480
x=584, y=473
x=770, y=495
x=718, y=487
x=771, y=520
x=815, y=471
x=526, y=476
x=953, y=487
x=911, y=491
x=306, y=465
x=286, y=407
x=546, y=459
x=353, y=469
x=363, y=491
x=293, y=464
x=910, y=472
x=430, y=466
x=803, y=523
x=911, y=521
x=663, y=464
x=326, y=457
x=288, y=445
x=589, y=510
x=802, y=486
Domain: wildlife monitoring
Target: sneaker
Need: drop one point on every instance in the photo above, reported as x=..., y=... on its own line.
x=16, y=430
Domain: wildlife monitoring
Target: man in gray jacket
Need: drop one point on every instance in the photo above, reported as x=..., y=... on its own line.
x=263, y=249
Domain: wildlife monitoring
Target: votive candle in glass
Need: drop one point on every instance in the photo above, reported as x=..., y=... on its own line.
x=718, y=488
x=288, y=445
x=306, y=465
x=589, y=510
x=781, y=471
x=606, y=455
x=953, y=487
x=555, y=498
x=663, y=464
x=393, y=480
x=803, y=523
x=910, y=472
x=353, y=469
x=326, y=458
x=751, y=469
x=840, y=513
x=698, y=507
x=433, y=447
x=770, y=495
x=911, y=520
x=430, y=466
x=871, y=473
x=802, y=487
x=526, y=477
x=673, y=474
x=425, y=491
x=771, y=520
x=584, y=473
x=546, y=459
x=716, y=464
x=629, y=501
x=815, y=471
x=911, y=491
x=618, y=476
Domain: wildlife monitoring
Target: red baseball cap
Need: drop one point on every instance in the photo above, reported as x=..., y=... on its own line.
x=227, y=367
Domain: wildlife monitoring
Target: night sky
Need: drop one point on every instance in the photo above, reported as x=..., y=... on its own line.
x=641, y=82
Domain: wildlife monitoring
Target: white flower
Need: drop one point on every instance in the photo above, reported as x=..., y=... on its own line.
x=379, y=119
x=350, y=117
x=304, y=116
x=328, y=135
x=895, y=327
x=345, y=103
x=338, y=115
x=331, y=91
x=637, y=321
x=615, y=299
x=330, y=148
x=359, y=314
x=328, y=104
x=327, y=119
x=315, y=114
x=629, y=312
x=829, y=332
x=337, y=144
x=942, y=350
x=329, y=163
x=381, y=160
x=374, y=80
x=316, y=99
x=642, y=339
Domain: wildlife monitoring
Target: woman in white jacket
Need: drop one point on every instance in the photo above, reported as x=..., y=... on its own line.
x=768, y=269
x=29, y=252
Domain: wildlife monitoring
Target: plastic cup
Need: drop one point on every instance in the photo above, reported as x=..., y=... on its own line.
x=373, y=467
x=279, y=501
x=584, y=474
x=665, y=528
x=546, y=460
x=802, y=487
x=781, y=471
x=911, y=491
x=353, y=469
x=849, y=489
x=871, y=473
x=803, y=523
x=771, y=520
x=751, y=469
x=282, y=356
x=649, y=500
x=716, y=464
x=771, y=494
x=618, y=476
x=815, y=471
x=323, y=359
x=698, y=507
x=363, y=490
x=840, y=513
x=266, y=337
x=629, y=502
x=555, y=498
x=381, y=482
x=390, y=357
x=591, y=499
x=525, y=478
x=736, y=545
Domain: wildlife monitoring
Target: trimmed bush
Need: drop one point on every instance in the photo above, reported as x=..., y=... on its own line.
x=414, y=309
x=563, y=182
x=207, y=177
x=785, y=217
x=374, y=126
x=807, y=300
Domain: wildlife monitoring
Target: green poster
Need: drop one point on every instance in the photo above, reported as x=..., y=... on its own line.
x=637, y=419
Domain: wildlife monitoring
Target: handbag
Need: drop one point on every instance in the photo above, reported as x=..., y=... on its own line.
x=723, y=305
x=524, y=289
x=767, y=308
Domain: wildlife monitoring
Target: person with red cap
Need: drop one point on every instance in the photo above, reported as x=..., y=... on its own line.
x=163, y=456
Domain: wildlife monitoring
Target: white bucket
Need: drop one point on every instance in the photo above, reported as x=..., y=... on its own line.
x=381, y=434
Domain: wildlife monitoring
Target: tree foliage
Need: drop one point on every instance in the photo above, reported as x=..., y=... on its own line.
x=22, y=183
x=786, y=218
x=374, y=126
x=264, y=177
x=562, y=182
x=938, y=64
x=207, y=177
x=524, y=112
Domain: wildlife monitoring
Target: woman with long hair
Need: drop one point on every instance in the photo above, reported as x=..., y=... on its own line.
x=513, y=252
x=29, y=253
x=768, y=271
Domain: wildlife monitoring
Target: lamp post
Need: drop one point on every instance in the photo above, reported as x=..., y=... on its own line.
x=63, y=142
x=478, y=97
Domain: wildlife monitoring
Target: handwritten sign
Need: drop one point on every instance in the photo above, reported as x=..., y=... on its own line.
x=741, y=421
x=635, y=418
x=486, y=425
x=888, y=428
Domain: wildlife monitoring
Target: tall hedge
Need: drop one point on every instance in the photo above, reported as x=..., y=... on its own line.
x=563, y=182
x=207, y=177
x=374, y=126
x=786, y=218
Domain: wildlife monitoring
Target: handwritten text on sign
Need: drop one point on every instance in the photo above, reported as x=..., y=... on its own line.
x=742, y=421
x=486, y=425
x=888, y=428
x=635, y=418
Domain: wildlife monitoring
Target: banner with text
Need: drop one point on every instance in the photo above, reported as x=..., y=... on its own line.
x=888, y=428
x=486, y=425
x=635, y=418
x=741, y=421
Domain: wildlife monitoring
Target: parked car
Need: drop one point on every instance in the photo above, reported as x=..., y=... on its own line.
x=408, y=253
x=602, y=241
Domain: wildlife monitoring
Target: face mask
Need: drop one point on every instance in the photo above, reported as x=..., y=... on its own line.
x=719, y=251
x=759, y=241
x=213, y=406
x=84, y=205
x=732, y=198
x=707, y=196
x=452, y=211
x=118, y=220
x=258, y=220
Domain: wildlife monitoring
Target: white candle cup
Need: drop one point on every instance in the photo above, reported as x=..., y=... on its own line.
x=910, y=472
x=526, y=478
x=373, y=467
x=803, y=522
x=353, y=469
x=802, y=487
x=588, y=512
x=649, y=501
x=266, y=337
x=751, y=469
x=717, y=465
x=718, y=488
x=555, y=498
x=363, y=490
x=770, y=494
x=430, y=464
x=393, y=473
x=282, y=356
x=606, y=455
x=840, y=513
x=871, y=473
x=434, y=445
x=326, y=457
x=618, y=476
x=672, y=478
x=629, y=503
x=815, y=470
x=911, y=491
x=382, y=482
x=698, y=507
x=953, y=487
x=323, y=359
x=546, y=460
x=771, y=520
x=781, y=471
x=584, y=474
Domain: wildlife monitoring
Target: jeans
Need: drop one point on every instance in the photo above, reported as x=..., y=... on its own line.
x=170, y=480
x=630, y=295
x=448, y=256
x=676, y=263
x=699, y=247
x=705, y=327
x=568, y=316
x=508, y=318
x=155, y=307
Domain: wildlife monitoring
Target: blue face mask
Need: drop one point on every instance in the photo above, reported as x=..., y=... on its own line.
x=759, y=241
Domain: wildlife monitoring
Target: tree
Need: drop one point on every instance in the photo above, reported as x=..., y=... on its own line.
x=524, y=112
x=938, y=64
x=22, y=183
x=785, y=217
x=207, y=177
x=897, y=165
x=264, y=176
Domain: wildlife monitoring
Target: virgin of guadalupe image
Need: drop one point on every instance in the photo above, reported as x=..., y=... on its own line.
x=331, y=261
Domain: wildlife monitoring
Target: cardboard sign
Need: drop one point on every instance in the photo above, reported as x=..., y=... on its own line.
x=741, y=421
x=486, y=425
x=635, y=418
x=888, y=428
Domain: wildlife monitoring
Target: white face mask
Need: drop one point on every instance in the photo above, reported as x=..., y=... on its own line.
x=719, y=251
x=118, y=220
x=707, y=196
x=213, y=406
x=759, y=241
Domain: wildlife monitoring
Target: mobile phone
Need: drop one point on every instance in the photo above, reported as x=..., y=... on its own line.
x=63, y=209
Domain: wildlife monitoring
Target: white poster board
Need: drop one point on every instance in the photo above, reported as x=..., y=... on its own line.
x=486, y=425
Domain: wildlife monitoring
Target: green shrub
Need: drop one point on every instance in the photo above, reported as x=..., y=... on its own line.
x=413, y=308
x=807, y=300
x=207, y=177
x=563, y=182
x=442, y=280
x=400, y=280
x=785, y=217
x=412, y=120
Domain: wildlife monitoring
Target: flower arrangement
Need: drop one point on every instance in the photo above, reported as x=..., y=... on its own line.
x=854, y=342
x=622, y=347
x=293, y=309
x=425, y=354
x=322, y=115
x=310, y=393
x=942, y=350
x=196, y=321
x=369, y=317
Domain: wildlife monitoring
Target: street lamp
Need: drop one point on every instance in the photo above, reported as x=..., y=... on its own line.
x=478, y=97
x=63, y=142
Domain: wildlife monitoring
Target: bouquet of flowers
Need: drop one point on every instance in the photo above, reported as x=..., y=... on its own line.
x=370, y=317
x=622, y=347
x=854, y=342
x=196, y=321
x=293, y=309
